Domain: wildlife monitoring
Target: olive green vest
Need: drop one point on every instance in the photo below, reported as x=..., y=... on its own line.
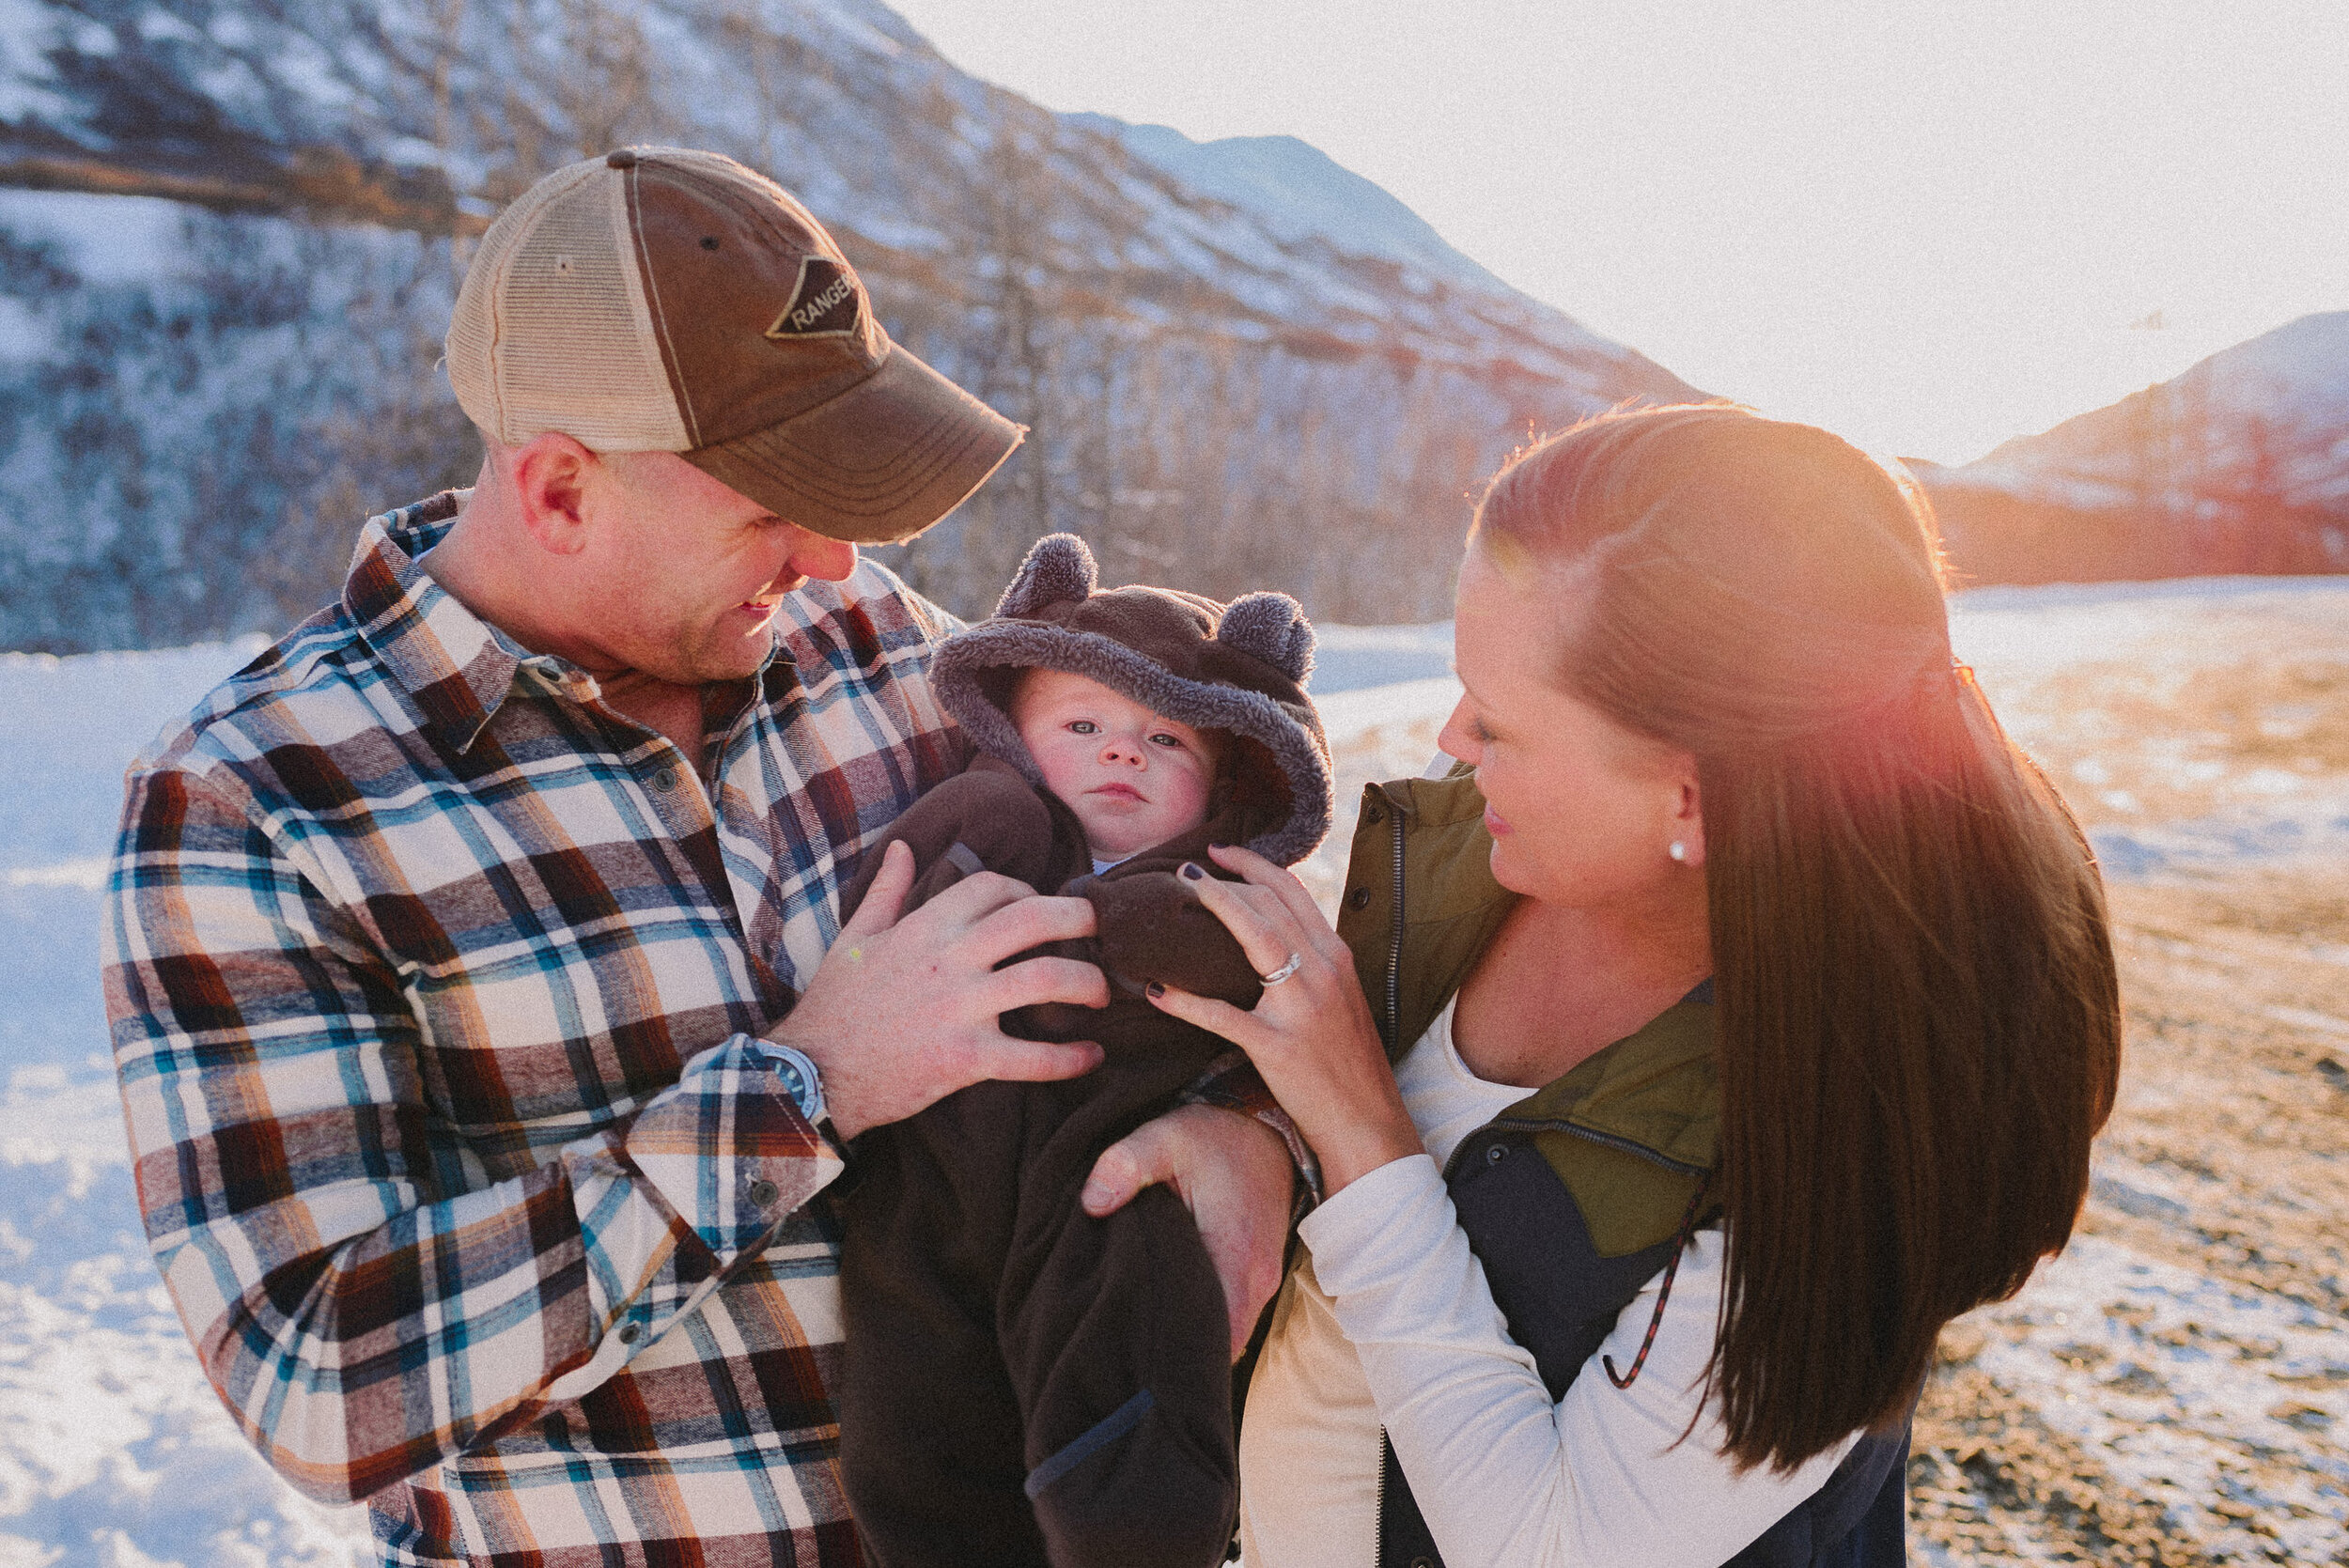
x=1632, y=1129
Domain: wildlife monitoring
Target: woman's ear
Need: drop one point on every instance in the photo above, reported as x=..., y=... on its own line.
x=1688, y=824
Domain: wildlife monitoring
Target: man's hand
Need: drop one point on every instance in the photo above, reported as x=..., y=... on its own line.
x=901, y=1014
x=1235, y=1175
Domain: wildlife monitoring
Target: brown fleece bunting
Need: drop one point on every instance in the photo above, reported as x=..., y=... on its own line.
x=1024, y=1383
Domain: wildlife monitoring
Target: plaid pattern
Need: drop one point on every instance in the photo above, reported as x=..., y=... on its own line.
x=435, y=987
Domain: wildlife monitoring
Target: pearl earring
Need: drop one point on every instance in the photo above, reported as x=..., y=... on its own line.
x=1678, y=851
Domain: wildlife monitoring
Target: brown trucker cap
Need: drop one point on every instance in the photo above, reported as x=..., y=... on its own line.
x=662, y=299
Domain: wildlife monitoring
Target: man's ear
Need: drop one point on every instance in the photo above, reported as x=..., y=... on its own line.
x=552, y=473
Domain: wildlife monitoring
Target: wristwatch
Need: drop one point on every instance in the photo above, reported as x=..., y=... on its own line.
x=797, y=1071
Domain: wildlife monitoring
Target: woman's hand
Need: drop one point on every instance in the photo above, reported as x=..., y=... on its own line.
x=1310, y=1036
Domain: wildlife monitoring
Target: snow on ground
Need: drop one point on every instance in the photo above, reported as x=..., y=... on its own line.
x=2195, y=724
x=106, y=239
x=2199, y=724
x=113, y=1450
x=1349, y=658
x=2167, y=1375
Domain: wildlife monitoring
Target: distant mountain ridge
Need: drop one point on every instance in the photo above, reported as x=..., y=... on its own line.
x=1242, y=364
x=2241, y=464
x=2274, y=409
x=1300, y=192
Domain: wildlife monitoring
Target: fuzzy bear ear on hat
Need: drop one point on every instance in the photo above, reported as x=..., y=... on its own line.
x=1059, y=570
x=1273, y=628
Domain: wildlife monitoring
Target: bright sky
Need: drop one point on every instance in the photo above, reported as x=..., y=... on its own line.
x=1927, y=226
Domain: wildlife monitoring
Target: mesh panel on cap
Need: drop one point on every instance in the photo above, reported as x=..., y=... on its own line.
x=550, y=331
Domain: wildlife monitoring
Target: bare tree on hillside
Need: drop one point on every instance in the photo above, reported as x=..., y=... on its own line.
x=604, y=74
x=1019, y=371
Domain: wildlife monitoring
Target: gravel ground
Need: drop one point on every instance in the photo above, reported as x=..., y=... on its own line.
x=2175, y=1389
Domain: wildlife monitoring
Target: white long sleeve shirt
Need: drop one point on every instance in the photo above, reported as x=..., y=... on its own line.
x=1390, y=1323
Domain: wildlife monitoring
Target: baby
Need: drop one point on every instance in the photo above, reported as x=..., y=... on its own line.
x=1025, y=1384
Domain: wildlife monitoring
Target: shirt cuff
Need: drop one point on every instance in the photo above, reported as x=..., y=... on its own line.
x=729, y=1150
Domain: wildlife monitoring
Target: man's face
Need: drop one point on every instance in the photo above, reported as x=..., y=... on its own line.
x=683, y=575
x=1133, y=779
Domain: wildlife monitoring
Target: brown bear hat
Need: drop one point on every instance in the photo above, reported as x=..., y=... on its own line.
x=1239, y=668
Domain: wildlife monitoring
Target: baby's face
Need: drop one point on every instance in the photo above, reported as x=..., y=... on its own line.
x=1132, y=778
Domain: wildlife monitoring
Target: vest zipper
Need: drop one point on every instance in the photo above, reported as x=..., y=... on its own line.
x=1378, y=1508
x=1394, y=946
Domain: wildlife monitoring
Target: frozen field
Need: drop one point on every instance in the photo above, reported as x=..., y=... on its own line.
x=2177, y=1382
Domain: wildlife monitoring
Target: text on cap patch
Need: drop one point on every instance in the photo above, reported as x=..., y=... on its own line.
x=824, y=301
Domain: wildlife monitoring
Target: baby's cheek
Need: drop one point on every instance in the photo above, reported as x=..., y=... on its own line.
x=1194, y=795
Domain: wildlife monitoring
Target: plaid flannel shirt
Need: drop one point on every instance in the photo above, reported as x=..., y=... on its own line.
x=435, y=987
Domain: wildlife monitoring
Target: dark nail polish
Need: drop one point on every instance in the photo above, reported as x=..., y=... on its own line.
x=1154, y=990
x=1192, y=870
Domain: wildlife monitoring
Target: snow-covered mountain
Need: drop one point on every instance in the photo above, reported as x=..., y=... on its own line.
x=2240, y=464
x=236, y=226
x=1299, y=193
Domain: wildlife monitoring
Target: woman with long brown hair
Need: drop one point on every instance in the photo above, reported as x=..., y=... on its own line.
x=1749, y=1010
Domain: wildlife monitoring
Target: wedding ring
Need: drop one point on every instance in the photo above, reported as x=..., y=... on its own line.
x=1296, y=962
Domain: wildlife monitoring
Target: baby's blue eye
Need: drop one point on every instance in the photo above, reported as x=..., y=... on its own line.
x=1083, y=726
x=1173, y=740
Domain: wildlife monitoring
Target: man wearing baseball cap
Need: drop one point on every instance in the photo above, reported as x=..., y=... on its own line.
x=486, y=1043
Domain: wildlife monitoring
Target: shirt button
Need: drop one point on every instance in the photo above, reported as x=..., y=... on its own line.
x=665, y=780
x=631, y=1333
x=764, y=1193
x=1357, y=899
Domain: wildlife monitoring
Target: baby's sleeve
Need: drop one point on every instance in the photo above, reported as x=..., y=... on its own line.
x=1152, y=926
x=981, y=819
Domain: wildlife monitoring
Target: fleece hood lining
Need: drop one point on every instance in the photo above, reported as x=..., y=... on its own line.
x=1296, y=747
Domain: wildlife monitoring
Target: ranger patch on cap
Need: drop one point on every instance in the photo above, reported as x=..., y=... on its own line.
x=823, y=304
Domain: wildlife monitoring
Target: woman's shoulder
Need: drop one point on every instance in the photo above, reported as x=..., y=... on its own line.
x=1424, y=841
x=1443, y=794
x=1420, y=902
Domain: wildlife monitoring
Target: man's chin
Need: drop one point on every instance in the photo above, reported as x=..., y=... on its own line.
x=759, y=642
x=734, y=657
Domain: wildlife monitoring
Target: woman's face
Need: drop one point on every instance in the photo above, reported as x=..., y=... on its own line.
x=1583, y=811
